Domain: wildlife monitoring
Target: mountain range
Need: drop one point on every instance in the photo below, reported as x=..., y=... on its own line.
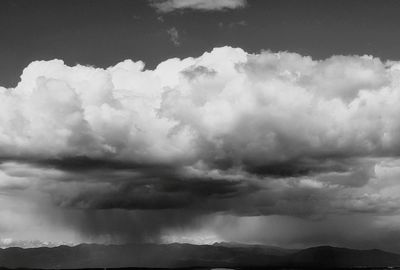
x=187, y=255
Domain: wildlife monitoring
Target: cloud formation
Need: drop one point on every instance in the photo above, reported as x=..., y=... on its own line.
x=225, y=133
x=266, y=114
x=165, y=6
x=174, y=36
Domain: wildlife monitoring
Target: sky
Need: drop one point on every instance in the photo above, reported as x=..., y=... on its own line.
x=269, y=122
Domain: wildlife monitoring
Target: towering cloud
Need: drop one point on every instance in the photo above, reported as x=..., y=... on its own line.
x=226, y=133
x=224, y=110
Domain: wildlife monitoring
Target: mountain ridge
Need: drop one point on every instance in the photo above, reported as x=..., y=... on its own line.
x=177, y=255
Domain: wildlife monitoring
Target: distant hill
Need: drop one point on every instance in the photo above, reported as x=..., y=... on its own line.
x=270, y=250
x=326, y=256
x=186, y=255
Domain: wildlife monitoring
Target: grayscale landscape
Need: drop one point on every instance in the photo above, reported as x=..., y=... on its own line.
x=199, y=134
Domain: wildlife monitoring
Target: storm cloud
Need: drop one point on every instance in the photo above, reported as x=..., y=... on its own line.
x=131, y=153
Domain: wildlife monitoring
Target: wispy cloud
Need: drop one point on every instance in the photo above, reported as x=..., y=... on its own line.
x=165, y=6
x=174, y=36
x=232, y=24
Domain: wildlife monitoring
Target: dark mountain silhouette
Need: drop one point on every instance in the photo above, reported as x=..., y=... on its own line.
x=270, y=250
x=135, y=255
x=327, y=256
x=186, y=255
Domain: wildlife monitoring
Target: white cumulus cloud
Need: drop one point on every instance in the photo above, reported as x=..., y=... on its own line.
x=226, y=108
x=249, y=134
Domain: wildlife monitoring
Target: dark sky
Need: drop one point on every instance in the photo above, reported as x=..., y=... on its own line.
x=244, y=138
x=102, y=33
